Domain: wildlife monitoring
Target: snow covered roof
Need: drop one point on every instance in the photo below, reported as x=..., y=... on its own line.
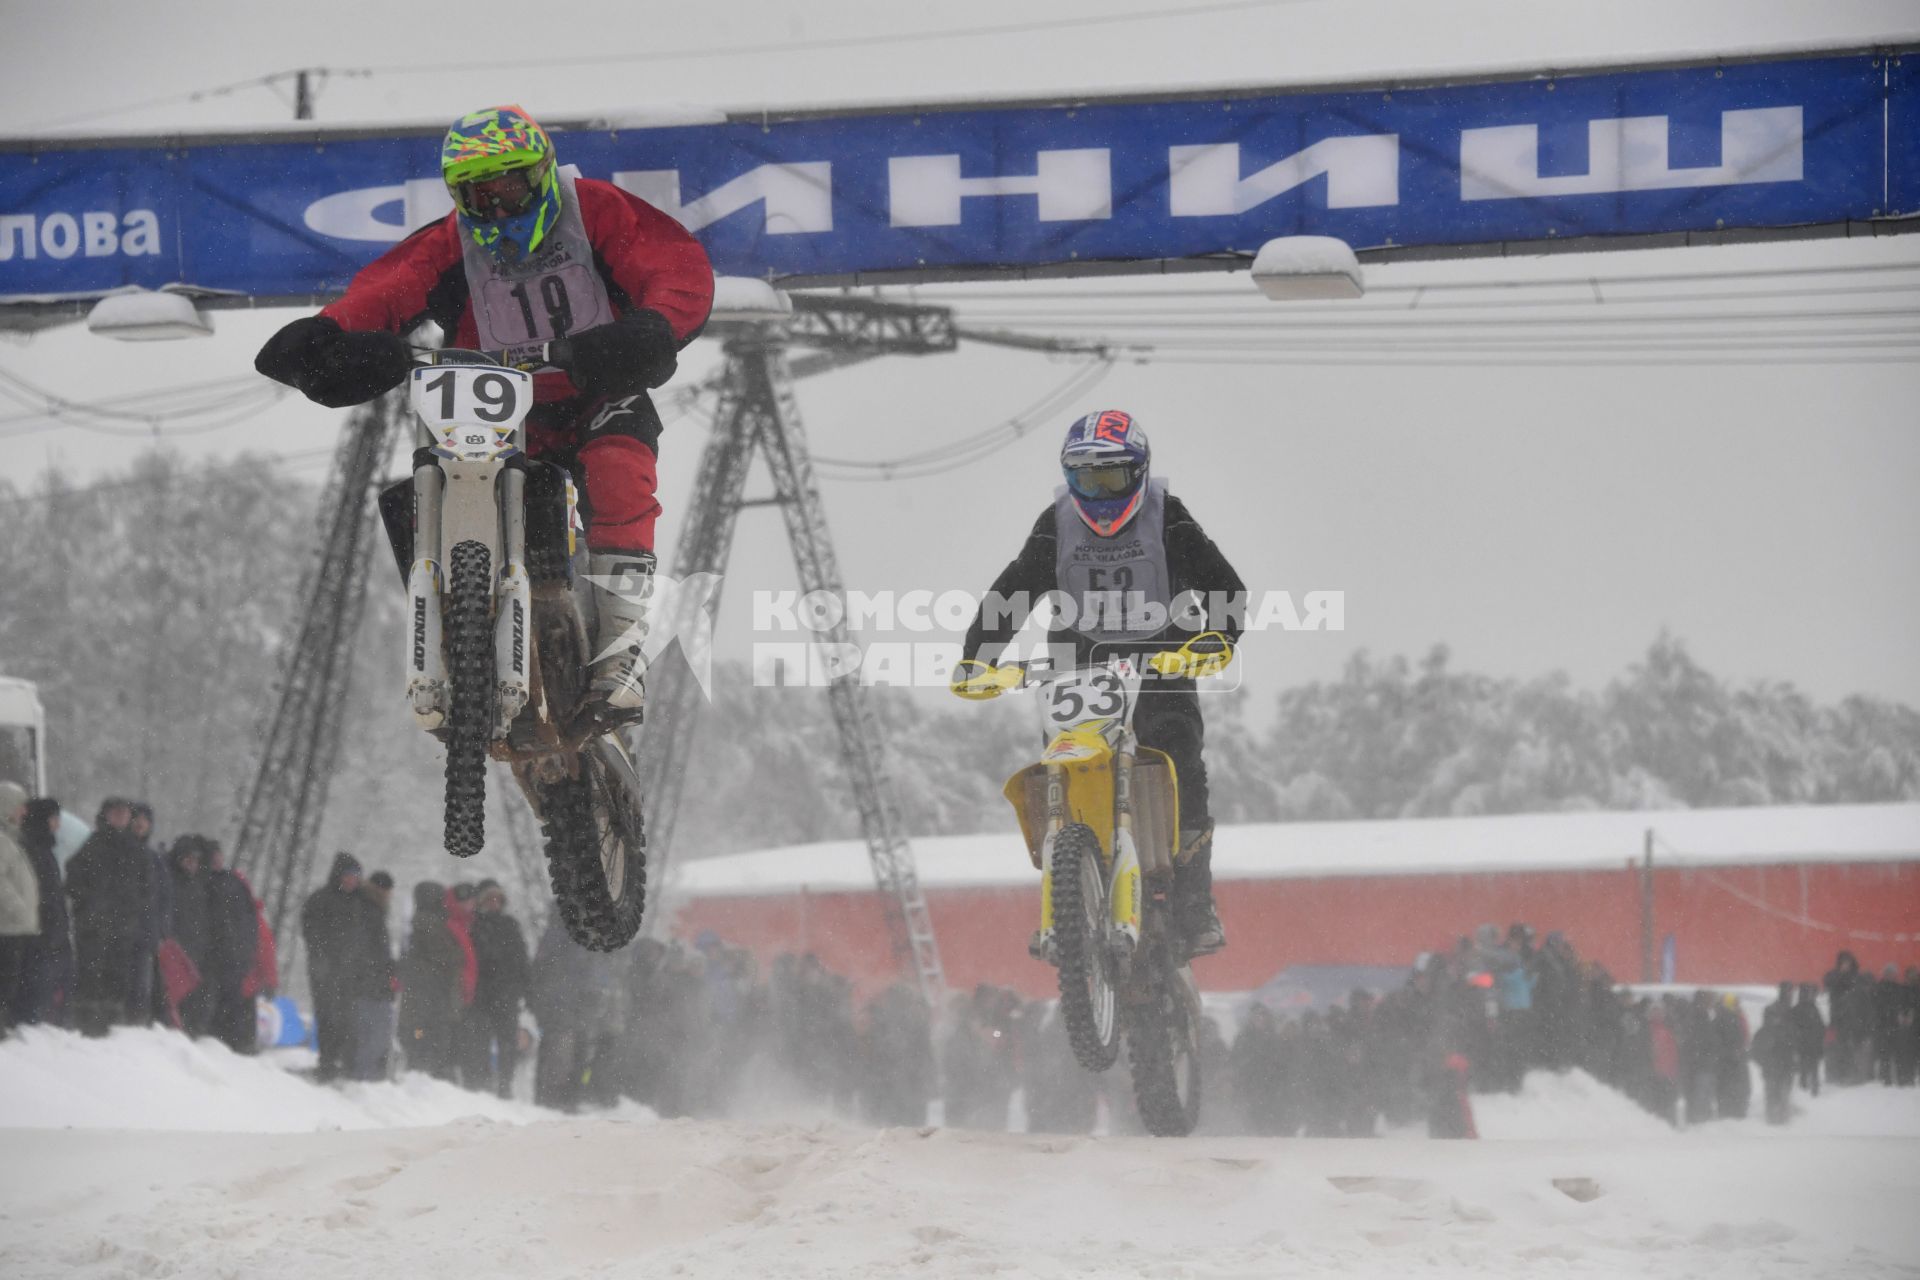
x=1604, y=840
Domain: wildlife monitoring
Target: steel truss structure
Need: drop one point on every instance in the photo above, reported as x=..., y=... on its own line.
x=280, y=818
x=758, y=416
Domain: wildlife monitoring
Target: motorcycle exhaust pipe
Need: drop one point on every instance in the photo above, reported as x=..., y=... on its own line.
x=426, y=661
x=512, y=646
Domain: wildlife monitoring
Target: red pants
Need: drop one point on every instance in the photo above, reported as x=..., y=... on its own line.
x=609, y=445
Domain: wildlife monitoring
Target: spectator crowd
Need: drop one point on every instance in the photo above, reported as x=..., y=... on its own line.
x=124, y=934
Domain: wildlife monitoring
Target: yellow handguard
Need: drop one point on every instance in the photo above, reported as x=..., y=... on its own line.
x=979, y=680
x=1207, y=654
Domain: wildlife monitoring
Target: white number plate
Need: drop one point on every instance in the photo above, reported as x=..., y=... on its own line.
x=1081, y=697
x=473, y=411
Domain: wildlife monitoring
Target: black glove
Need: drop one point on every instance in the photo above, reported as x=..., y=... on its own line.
x=624, y=358
x=331, y=366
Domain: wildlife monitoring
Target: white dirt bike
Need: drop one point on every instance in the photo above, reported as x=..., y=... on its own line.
x=498, y=644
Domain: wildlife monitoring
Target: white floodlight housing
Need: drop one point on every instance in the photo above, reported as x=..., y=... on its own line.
x=1293, y=268
x=141, y=315
x=745, y=298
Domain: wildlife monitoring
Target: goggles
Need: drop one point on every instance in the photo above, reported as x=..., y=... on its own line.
x=1104, y=480
x=506, y=195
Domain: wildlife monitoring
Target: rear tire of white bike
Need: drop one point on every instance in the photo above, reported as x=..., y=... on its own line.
x=597, y=850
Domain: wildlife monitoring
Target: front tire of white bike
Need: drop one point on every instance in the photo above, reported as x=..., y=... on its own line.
x=470, y=678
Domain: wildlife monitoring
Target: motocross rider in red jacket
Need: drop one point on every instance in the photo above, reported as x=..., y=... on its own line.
x=602, y=287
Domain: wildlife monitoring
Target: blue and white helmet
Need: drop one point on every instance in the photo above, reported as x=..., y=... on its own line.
x=1105, y=462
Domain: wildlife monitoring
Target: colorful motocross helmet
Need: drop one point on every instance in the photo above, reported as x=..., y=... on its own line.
x=1105, y=461
x=499, y=169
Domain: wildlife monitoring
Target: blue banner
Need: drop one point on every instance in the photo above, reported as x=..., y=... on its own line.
x=944, y=193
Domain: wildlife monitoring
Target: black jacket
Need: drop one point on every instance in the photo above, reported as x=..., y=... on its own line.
x=233, y=931
x=430, y=971
x=500, y=950
x=364, y=970
x=1194, y=563
x=110, y=882
x=329, y=926
x=192, y=922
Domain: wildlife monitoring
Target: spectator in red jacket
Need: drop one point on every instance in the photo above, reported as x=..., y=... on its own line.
x=594, y=289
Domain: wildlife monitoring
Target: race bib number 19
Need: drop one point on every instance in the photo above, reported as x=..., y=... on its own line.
x=473, y=411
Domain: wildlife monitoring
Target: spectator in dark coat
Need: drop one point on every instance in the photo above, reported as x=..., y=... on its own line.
x=1663, y=1062
x=576, y=1000
x=1733, y=1083
x=368, y=980
x=192, y=928
x=1699, y=1054
x=330, y=923
x=1853, y=1017
x=159, y=912
x=1906, y=1047
x=233, y=944
x=899, y=1065
x=431, y=997
x=500, y=953
x=110, y=882
x=1773, y=1050
x=46, y=961
x=1809, y=1034
x=1892, y=1019
x=1849, y=1032
x=1257, y=1067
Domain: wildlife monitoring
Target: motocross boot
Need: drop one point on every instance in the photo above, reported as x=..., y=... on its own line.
x=1193, y=912
x=624, y=593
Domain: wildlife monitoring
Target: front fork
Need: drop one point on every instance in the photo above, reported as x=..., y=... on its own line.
x=1123, y=882
x=427, y=690
x=512, y=646
x=426, y=661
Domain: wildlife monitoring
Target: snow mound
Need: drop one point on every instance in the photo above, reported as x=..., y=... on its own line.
x=160, y=1080
x=1558, y=1107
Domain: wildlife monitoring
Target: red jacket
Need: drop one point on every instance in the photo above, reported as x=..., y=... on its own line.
x=460, y=925
x=265, y=974
x=647, y=260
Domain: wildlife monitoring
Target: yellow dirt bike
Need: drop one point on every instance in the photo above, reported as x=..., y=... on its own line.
x=1101, y=817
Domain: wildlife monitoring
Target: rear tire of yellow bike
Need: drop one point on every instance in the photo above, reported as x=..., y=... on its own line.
x=1163, y=1051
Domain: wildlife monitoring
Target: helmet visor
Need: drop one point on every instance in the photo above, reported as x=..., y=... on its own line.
x=1104, y=480
x=506, y=195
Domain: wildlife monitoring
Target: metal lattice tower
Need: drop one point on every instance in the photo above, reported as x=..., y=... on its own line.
x=281, y=816
x=757, y=412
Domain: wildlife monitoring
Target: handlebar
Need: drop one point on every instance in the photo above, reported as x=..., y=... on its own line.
x=528, y=357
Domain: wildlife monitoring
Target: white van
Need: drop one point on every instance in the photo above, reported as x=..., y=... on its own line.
x=23, y=735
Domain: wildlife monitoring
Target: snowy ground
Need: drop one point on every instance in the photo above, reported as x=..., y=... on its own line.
x=112, y=1167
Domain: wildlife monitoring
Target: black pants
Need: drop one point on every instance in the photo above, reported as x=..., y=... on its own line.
x=333, y=1033
x=560, y=1066
x=492, y=1049
x=235, y=1021
x=1168, y=719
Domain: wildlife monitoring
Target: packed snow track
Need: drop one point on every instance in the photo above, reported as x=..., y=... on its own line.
x=344, y=1188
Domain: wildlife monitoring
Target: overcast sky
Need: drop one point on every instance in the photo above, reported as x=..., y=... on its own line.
x=1534, y=519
